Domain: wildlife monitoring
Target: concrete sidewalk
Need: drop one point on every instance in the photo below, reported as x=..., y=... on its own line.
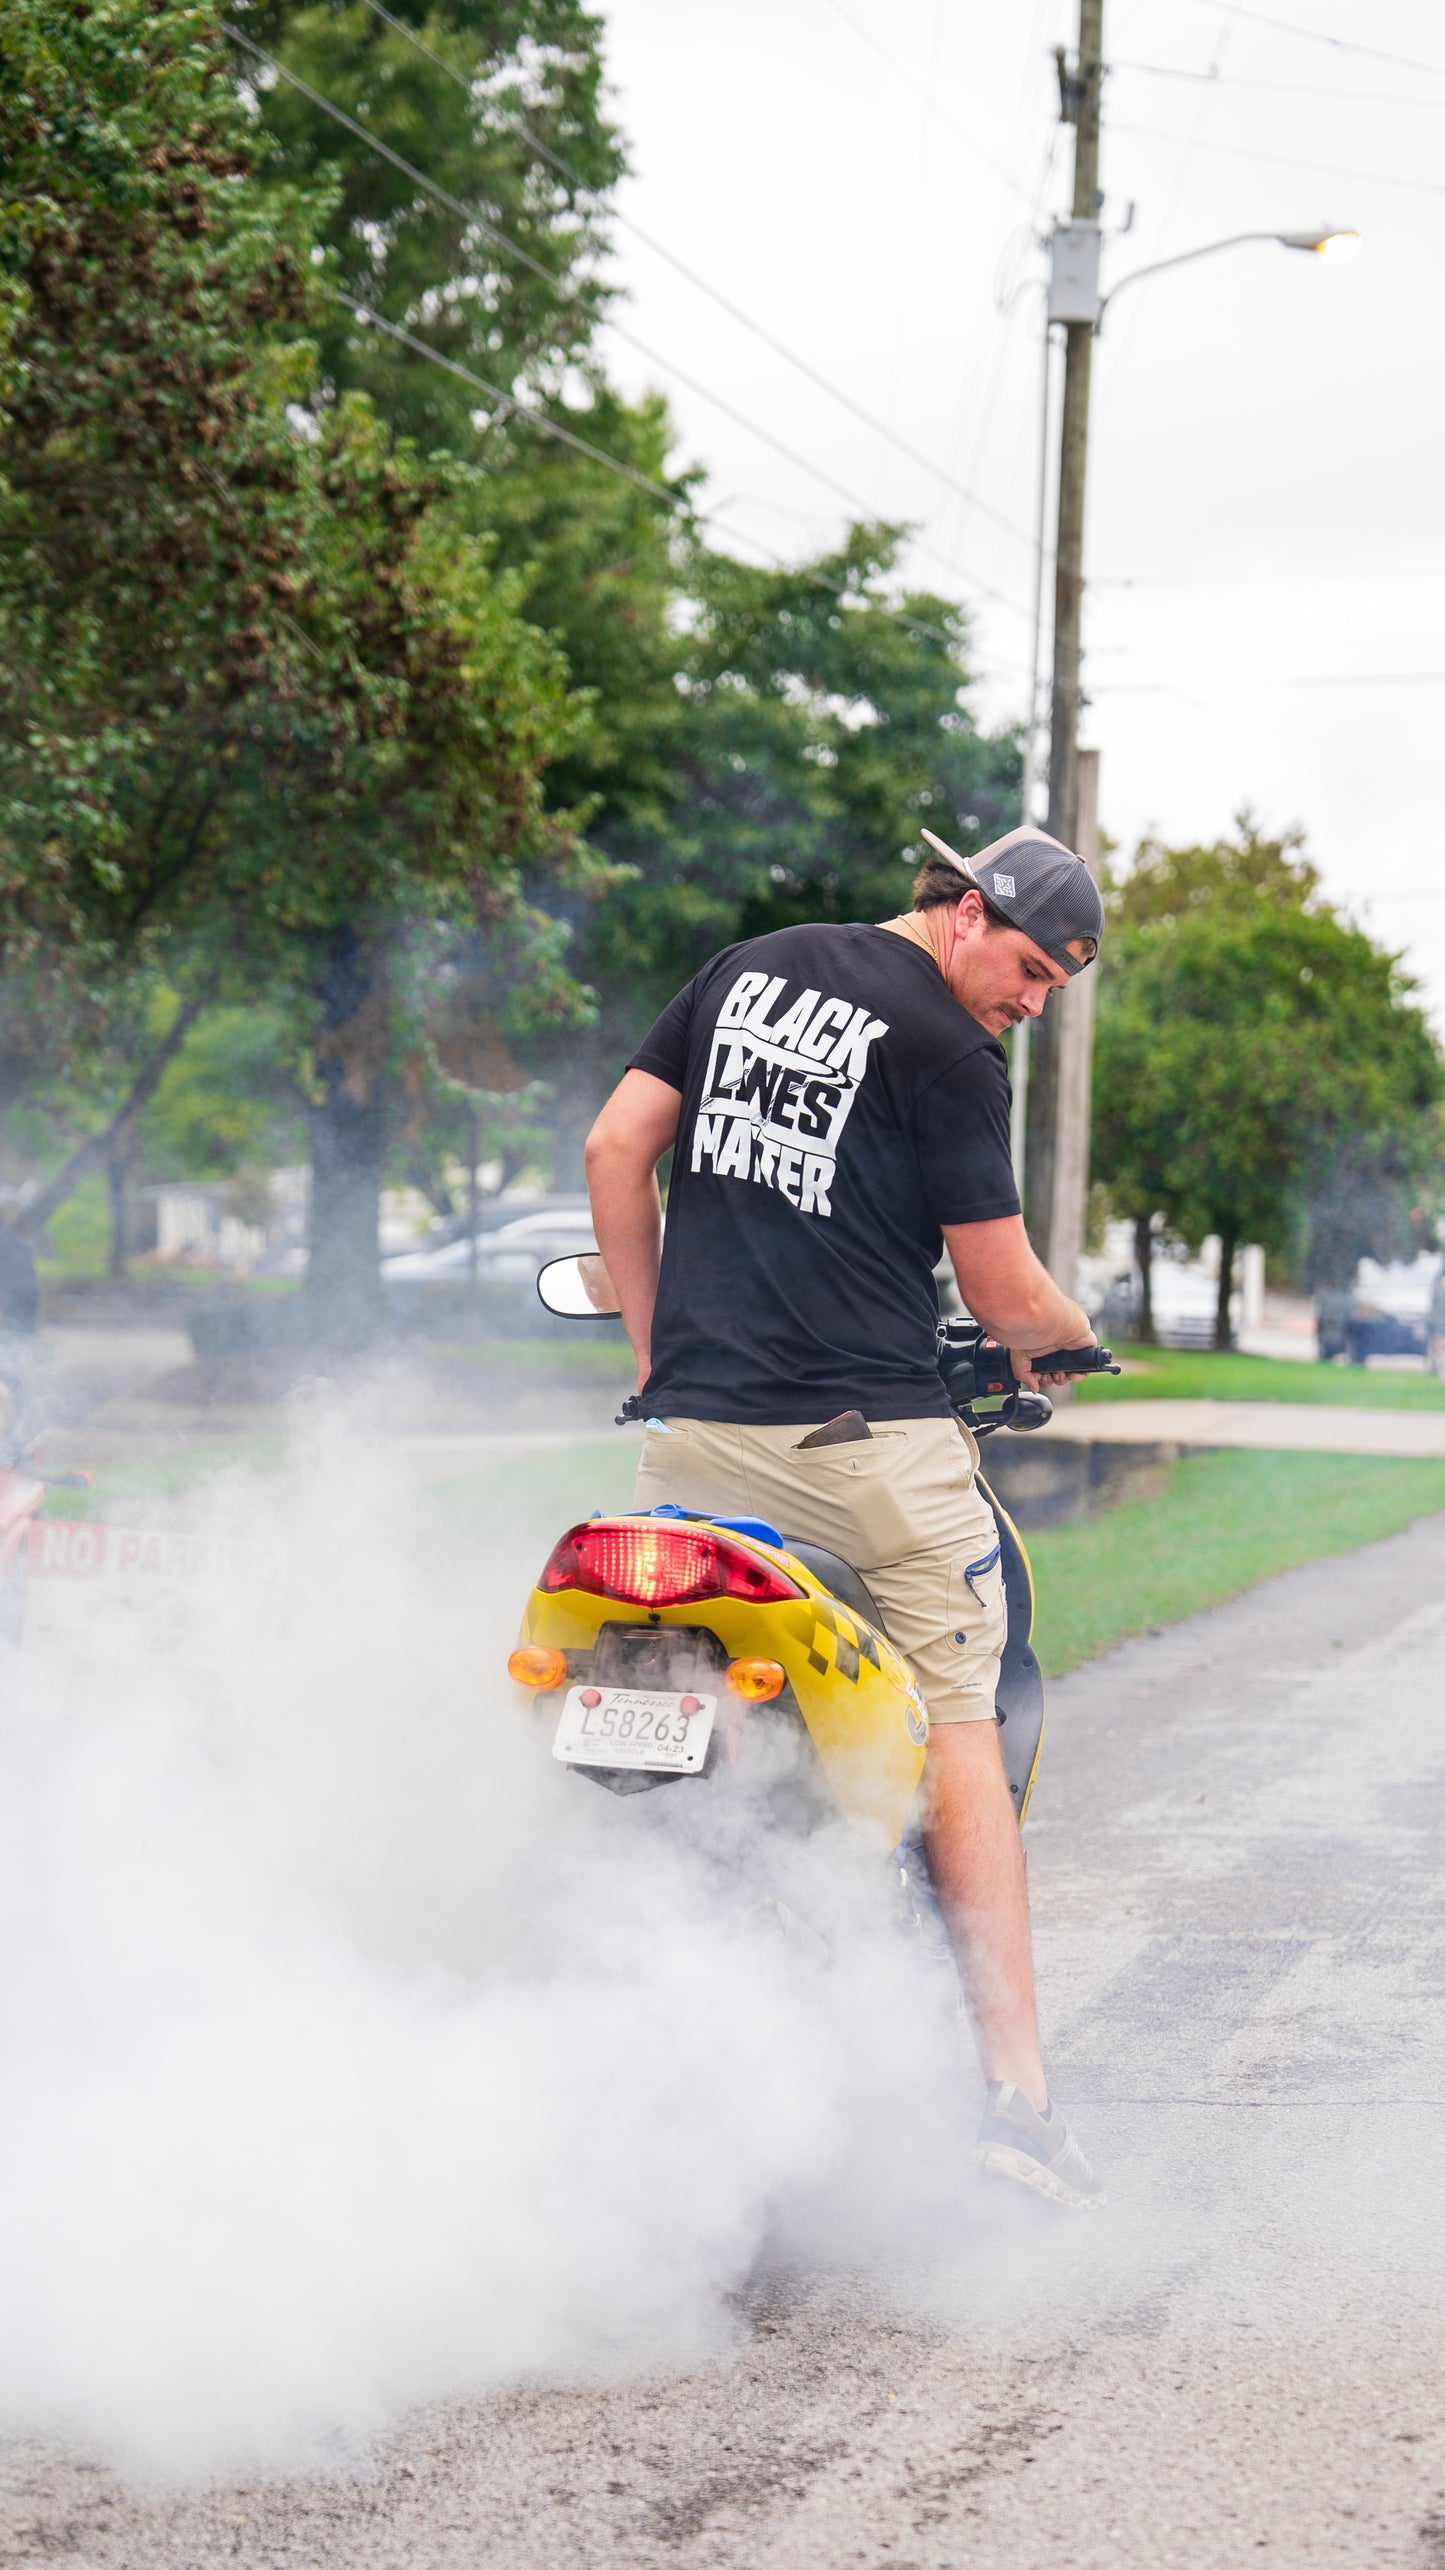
x=1297, y=1426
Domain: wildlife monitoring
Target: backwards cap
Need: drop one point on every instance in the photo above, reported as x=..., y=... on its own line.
x=1040, y=886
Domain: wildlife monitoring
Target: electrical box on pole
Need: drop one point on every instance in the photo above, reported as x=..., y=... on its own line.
x=1074, y=273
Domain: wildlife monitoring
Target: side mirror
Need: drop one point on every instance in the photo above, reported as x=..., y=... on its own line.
x=578, y=1289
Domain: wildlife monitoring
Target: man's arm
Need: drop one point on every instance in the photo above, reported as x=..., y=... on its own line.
x=624, y=1147
x=1007, y=1288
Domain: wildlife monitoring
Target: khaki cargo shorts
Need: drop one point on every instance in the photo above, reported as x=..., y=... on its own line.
x=902, y=1506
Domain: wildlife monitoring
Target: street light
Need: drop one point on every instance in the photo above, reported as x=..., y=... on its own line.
x=1332, y=243
x=1075, y=301
x=1073, y=295
x=1335, y=246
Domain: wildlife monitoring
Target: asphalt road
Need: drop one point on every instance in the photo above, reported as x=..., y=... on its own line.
x=1235, y=1858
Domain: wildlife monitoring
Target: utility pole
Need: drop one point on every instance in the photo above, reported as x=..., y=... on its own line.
x=1074, y=301
x=1072, y=1011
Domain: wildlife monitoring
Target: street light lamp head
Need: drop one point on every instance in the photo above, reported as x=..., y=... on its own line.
x=1332, y=243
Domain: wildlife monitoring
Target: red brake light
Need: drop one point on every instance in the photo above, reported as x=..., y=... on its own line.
x=667, y=1565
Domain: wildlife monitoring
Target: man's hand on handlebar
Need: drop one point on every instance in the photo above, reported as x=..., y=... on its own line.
x=1026, y=1364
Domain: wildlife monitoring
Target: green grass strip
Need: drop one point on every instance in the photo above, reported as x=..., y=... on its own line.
x=540, y=1360
x=1226, y=1521
x=121, y=1490
x=1191, y=1374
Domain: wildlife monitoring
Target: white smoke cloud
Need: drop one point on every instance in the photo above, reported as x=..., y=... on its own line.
x=358, y=2056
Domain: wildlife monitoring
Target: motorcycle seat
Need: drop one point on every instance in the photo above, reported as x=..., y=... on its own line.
x=845, y=1583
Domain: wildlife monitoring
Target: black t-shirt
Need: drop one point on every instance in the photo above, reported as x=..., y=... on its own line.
x=838, y=1106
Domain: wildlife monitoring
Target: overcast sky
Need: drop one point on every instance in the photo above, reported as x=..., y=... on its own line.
x=863, y=179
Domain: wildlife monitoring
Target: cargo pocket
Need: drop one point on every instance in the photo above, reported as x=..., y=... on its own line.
x=977, y=1610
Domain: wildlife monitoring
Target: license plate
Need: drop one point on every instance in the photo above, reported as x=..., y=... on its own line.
x=634, y=1727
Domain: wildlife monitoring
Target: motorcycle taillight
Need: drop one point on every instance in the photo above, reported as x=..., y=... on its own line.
x=652, y=1565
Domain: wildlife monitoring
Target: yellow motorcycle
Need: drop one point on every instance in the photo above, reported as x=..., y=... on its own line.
x=670, y=1647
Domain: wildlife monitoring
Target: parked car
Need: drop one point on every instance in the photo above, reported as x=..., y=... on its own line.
x=1386, y=1312
x=509, y=1255
x=434, y=1292
x=1184, y=1298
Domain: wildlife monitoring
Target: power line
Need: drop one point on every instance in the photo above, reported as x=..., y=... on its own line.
x=469, y=215
x=1234, y=579
x=433, y=188
x=1365, y=678
x=1338, y=44
x=1252, y=686
x=724, y=302
x=506, y=401
x=1286, y=161
x=790, y=455
x=865, y=35
x=1282, y=88
x=674, y=500
x=1202, y=107
x=1001, y=345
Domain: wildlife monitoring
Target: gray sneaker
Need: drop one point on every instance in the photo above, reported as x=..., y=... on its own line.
x=1037, y=2150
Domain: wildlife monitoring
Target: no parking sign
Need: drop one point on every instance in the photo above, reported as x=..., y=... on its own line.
x=124, y=1593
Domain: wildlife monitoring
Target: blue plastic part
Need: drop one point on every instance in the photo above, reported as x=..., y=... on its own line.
x=758, y=1527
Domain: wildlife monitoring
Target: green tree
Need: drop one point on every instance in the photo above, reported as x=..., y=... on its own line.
x=268, y=715
x=1248, y=1037
x=756, y=747
x=822, y=721
x=229, y=1102
x=150, y=501
x=499, y=104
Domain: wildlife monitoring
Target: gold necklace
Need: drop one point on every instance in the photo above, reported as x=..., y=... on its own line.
x=903, y=927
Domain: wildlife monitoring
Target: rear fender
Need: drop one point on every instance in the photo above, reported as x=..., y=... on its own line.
x=858, y=1698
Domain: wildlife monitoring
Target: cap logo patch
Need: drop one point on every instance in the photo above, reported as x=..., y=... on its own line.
x=1005, y=885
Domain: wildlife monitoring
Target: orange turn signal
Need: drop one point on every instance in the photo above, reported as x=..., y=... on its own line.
x=758, y=1680
x=535, y=1664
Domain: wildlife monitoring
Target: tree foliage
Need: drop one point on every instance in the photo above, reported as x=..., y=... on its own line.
x=1250, y=1043
x=267, y=706
x=150, y=502
x=820, y=721
x=499, y=104
x=328, y=679
x=280, y=659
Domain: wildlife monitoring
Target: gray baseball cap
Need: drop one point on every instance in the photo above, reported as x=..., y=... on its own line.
x=1040, y=886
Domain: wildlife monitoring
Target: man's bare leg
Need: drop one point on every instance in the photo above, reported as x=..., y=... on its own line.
x=977, y=1858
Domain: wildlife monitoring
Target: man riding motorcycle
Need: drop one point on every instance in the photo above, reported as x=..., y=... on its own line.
x=837, y=1104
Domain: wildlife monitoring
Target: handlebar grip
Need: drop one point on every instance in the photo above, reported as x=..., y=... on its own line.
x=1076, y=1360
